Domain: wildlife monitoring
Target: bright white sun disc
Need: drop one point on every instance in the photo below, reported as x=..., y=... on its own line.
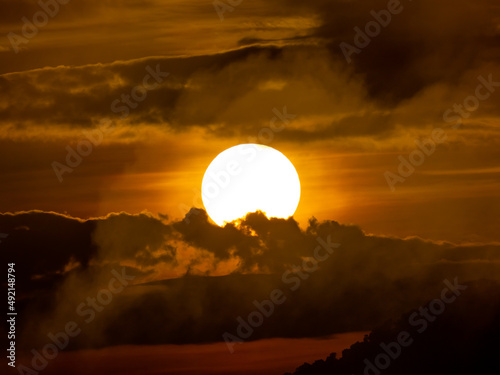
x=247, y=178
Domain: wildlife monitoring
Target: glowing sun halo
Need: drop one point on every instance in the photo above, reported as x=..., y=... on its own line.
x=250, y=177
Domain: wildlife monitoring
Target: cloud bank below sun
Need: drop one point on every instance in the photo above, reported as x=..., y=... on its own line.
x=211, y=267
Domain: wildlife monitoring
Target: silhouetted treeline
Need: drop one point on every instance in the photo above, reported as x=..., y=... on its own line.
x=463, y=339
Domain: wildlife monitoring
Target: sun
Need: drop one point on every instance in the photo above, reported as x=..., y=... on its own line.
x=250, y=177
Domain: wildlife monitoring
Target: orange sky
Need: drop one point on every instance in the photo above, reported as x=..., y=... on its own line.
x=111, y=112
x=251, y=357
x=220, y=83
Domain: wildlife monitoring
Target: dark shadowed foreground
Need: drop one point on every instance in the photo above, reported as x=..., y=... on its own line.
x=463, y=339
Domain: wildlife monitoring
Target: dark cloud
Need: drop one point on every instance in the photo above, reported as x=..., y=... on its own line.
x=82, y=96
x=354, y=289
x=330, y=98
x=423, y=44
x=46, y=242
